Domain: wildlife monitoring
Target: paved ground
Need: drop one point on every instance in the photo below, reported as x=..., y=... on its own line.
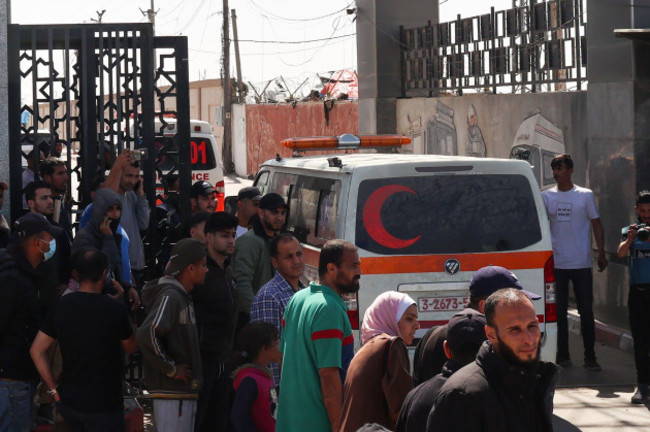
x=599, y=401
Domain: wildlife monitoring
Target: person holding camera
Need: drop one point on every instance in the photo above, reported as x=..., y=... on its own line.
x=635, y=244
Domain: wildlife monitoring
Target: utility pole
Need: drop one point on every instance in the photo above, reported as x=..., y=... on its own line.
x=240, y=86
x=228, y=164
x=151, y=14
x=99, y=16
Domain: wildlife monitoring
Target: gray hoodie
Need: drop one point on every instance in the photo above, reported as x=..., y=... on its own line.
x=167, y=338
x=91, y=237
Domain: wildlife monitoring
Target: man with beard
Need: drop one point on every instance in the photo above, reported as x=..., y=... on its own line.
x=248, y=201
x=55, y=172
x=203, y=197
x=318, y=345
x=252, y=260
x=216, y=316
x=54, y=273
x=507, y=388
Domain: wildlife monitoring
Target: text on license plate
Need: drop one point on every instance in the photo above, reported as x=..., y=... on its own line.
x=433, y=304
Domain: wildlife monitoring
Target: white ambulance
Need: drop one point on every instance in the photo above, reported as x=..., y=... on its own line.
x=423, y=223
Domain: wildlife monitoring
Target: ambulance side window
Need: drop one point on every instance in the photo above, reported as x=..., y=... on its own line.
x=313, y=208
x=261, y=181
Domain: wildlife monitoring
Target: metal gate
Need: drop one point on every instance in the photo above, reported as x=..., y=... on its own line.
x=94, y=89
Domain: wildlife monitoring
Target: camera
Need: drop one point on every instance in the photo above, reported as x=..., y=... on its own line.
x=642, y=232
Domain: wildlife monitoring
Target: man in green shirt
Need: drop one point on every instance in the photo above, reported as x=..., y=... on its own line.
x=318, y=344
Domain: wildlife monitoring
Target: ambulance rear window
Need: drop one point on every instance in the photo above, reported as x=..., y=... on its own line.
x=446, y=214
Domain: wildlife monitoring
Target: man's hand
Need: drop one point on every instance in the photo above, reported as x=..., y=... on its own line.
x=119, y=291
x=183, y=373
x=105, y=226
x=602, y=261
x=134, y=298
x=124, y=159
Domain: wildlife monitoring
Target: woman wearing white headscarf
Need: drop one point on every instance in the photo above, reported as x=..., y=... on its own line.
x=379, y=376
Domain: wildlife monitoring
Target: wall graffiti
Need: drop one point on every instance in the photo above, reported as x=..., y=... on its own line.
x=441, y=132
x=475, y=145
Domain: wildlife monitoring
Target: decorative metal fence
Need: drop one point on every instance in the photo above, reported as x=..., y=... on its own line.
x=534, y=48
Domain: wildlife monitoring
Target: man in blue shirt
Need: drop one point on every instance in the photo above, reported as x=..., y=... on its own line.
x=271, y=300
x=634, y=242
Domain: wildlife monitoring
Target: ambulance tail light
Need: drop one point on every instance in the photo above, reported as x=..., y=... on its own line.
x=352, y=303
x=549, y=292
x=345, y=142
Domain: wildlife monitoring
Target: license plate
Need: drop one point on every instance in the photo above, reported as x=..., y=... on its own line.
x=442, y=303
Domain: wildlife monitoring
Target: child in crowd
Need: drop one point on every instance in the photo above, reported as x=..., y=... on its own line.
x=256, y=401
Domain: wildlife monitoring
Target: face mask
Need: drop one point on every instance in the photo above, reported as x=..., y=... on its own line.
x=49, y=254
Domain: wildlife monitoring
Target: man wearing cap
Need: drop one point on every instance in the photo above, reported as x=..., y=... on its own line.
x=507, y=388
x=252, y=260
x=169, y=341
x=248, y=201
x=465, y=334
x=203, y=197
x=20, y=317
x=216, y=317
x=430, y=355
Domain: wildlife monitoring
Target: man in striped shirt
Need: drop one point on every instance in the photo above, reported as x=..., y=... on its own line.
x=271, y=300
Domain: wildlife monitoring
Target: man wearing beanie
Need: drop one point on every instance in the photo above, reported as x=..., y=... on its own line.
x=430, y=356
x=168, y=338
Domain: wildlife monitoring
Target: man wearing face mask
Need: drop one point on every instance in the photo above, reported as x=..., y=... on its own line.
x=54, y=273
x=20, y=317
x=101, y=233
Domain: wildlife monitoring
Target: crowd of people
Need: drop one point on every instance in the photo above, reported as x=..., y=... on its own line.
x=232, y=340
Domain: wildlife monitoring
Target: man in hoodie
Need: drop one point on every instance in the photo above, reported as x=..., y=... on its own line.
x=252, y=258
x=169, y=341
x=20, y=317
x=101, y=234
x=216, y=316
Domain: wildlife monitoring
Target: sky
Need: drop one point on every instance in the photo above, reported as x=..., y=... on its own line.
x=324, y=30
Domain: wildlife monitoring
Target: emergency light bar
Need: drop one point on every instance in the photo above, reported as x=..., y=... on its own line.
x=345, y=142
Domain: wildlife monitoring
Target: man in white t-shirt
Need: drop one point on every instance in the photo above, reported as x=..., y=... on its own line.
x=571, y=210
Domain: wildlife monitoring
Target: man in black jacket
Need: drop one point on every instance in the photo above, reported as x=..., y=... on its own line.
x=20, y=317
x=507, y=388
x=216, y=316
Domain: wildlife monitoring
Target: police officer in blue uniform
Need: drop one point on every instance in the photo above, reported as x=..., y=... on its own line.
x=636, y=245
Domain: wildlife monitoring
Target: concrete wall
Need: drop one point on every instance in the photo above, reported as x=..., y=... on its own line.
x=268, y=125
x=487, y=125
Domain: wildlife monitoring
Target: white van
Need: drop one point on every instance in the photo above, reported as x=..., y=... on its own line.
x=538, y=141
x=423, y=224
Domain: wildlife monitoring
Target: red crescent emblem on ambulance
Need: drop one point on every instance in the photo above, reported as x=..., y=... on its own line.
x=372, y=217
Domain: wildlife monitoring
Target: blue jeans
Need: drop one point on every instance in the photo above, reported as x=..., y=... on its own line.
x=16, y=406
x=77, y=421
x=583, y=289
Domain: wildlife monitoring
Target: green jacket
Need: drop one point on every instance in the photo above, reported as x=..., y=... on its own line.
x=251, y=265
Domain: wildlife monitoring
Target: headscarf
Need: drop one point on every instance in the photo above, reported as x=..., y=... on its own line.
x=383, y=315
